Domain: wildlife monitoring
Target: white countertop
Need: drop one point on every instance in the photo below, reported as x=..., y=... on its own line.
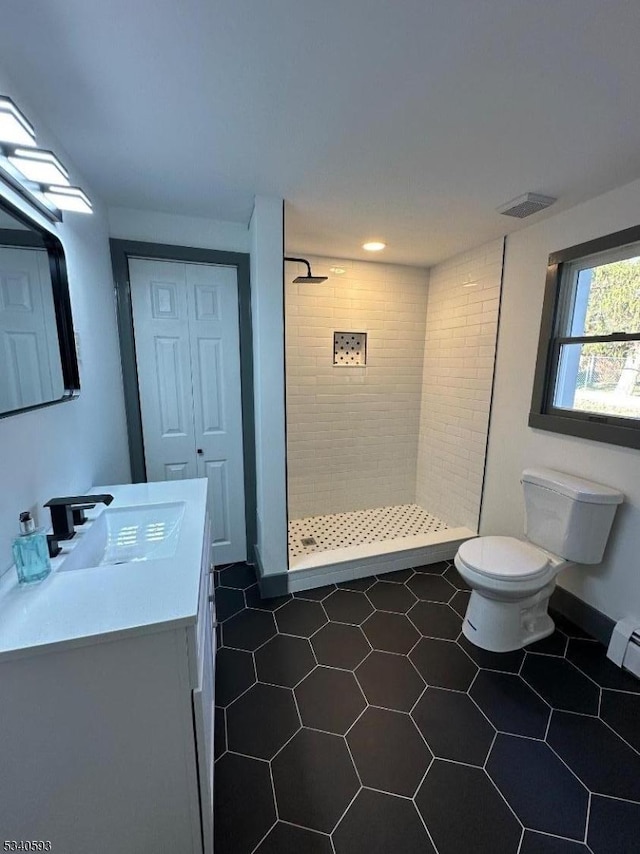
x=82, y=606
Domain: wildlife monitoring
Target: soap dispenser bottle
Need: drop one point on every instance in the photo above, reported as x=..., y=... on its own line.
x=30, y=551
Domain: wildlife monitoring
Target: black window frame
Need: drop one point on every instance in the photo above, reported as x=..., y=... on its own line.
x=543, y=414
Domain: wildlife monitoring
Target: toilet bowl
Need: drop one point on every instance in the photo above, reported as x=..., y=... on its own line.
x=511, y=582
x=567, y=521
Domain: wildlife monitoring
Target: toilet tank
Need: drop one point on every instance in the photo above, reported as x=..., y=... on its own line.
x=567, y=515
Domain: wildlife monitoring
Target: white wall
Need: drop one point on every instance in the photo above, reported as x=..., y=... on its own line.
x=614, y=586
x=456, y=386
x=267, y=309
x=352, y=433
x=157, y=227
x=65, y=449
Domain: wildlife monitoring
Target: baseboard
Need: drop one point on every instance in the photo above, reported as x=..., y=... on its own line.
x=588, y=618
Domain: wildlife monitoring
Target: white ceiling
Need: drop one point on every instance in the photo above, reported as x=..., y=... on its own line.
x=408, y=120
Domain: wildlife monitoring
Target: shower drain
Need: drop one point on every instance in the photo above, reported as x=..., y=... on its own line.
x=308, y=541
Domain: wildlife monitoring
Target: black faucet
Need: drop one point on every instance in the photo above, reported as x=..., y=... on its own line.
x=69, y=511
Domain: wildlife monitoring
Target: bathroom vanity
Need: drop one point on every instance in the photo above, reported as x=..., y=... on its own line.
x=107, y=682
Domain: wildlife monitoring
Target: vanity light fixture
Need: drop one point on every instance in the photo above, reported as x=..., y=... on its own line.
x=68, y=198
x=39, y=165
x=15, y=128
x=374, y=246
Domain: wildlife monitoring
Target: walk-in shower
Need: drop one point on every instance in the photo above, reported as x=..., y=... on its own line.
x=388, y=378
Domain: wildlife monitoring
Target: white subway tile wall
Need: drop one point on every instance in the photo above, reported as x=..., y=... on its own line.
x=352, y=433
x=459, y=356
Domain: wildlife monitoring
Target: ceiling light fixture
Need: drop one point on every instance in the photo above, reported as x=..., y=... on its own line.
x=68, y=198
x=374, y=246
x=14, y=126
x=39, y=165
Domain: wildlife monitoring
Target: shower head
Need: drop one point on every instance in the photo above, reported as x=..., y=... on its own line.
x=309, y=279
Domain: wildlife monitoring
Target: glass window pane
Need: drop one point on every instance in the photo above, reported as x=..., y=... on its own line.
x=599, y=378
x=607, y=299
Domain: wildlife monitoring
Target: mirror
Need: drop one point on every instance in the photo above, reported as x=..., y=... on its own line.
x=38, y=364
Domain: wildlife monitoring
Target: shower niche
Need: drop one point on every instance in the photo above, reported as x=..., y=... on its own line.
x=349, y=349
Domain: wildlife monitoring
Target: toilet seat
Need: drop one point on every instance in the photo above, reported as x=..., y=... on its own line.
x=504, y=559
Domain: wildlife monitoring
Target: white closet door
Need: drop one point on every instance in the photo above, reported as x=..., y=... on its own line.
x=30, y=356
x=188, y=357
x=215, y=363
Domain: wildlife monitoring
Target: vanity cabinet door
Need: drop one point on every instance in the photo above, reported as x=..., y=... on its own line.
x=203, y=702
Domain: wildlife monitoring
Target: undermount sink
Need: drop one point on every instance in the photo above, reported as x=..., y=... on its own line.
x=128, y=535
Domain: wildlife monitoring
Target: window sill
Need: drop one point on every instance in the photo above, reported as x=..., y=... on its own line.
x=584, y=428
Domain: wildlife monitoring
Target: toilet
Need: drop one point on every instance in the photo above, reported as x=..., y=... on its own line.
x=567, y=521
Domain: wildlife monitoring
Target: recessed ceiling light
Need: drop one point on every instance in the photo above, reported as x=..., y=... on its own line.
x=69, y=199
x=40, y=166
x=14, y=126
x=374, y=246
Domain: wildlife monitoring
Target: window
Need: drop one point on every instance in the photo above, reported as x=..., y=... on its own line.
x=587, y=380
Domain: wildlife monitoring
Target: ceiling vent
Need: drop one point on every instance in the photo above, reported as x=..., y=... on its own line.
x=526, y=205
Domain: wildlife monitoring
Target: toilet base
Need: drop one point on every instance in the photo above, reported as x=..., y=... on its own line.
x=504, y=626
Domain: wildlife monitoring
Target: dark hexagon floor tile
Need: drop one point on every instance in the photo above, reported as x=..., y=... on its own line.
x=377, y=823
x=347, y=606
x=329, y=700
x=433, y=568
x=443, y=664
x=506, y=662
x=234, y=674
x=387, y=596
x=261, y=721
x=360, y=585
x=240, y=576
x=614, y=826
x=460, y=601
x=388, y=751
x=540, y=789
x=219, y=734
x=454, y=578
x=314, y=780
x=284, y=660
x=566, y=626
x=399, y=576
x=592, y=660
x=255, y=600
x=510, y=704
x=435, y=620
x=622, y=713
x=243, y=806
x=248, y=630
x=561, y=684
x=299, y=617
x=554, y=644
x=288, y=839
x=453, y=727
x=228, y=602
x=604, y=763
x=433, y=588
x=464, y=812
x=540, y=843
x=390, y=632
x=340, y=645
x=389, y=681
x=316, y=594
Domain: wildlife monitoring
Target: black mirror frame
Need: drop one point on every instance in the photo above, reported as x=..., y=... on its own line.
x=61, y=303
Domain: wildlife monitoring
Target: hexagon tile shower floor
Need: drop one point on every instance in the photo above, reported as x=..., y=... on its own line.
x=358, y=720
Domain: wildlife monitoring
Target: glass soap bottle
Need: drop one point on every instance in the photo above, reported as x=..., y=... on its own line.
x=30, y=551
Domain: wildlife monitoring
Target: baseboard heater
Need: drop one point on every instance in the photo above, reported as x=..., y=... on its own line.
x=624, y=646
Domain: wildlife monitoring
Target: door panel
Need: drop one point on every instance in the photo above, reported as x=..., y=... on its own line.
x=161, y=320
x=29, y=347
x=188, y=357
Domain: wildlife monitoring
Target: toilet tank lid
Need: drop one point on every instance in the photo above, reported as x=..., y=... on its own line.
x=576, y=488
